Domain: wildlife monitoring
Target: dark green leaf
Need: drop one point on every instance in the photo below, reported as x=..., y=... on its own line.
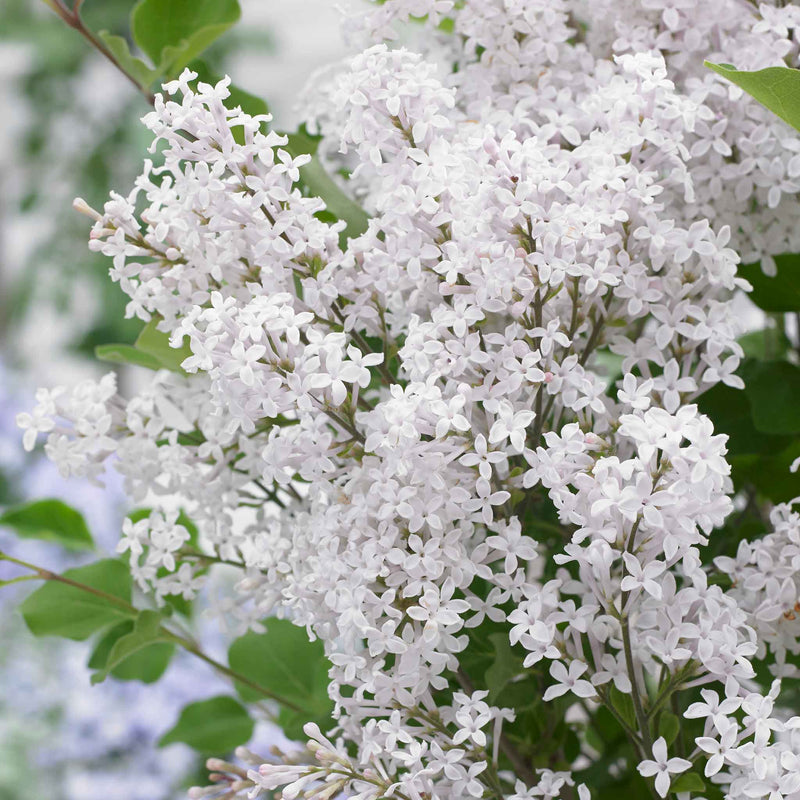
x=285, y=662
x=155, y=344
x=773, y=389
x=623, y=705
x=729, y=410
x=668, y=726
x=770, y=473
x=136, y=650
x=214, y=726
x=777, y=88
x=173, y=32
x=780, y=292
x=126, y=354
x=51, y=520
x=688, y=782
x=58, y=609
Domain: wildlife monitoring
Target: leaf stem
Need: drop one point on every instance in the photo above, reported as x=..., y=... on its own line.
x=72, y=17
x=187, y=644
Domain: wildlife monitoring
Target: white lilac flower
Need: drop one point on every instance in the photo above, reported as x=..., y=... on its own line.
x=369, y=428
x=662, y=767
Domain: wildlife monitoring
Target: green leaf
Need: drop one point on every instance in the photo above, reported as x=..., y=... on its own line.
x=731, y=413
x=249, y=103
x=688, y=782
x=217, y=725
x=155, y=343
x=320, y=184
x=609, y=365
x=137, y=650
x=173, y=32
x=780, y=292
x=143, y=74
x=777, y=88
x=771, y=475
x=52, y=521
x=773, y=389
x=729, y=410
x=58, y=609
x=126, y=354
x=285, y=662
x=669, y=726
x=766, y=344
x=623, y=705
x=505, y=667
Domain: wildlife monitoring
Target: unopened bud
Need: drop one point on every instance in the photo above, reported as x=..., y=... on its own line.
x=80, y=205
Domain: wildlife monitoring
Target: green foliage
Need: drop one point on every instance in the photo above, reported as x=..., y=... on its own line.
x=773, y=389
x=135, y=67
x=126, y=354
x=505, y=667
x=217, y=726
x=762, y=422
x=780, y=292
x=766, y=344
x=605, y=776
x=285, y=662
x=174, y=32
x=51, y=520
x=58, y=609
x=777, y=88
x=688, y=782
x=623, y=705
x=318, y=183
x=133, y=650
x=154, y=343
x=669, y=726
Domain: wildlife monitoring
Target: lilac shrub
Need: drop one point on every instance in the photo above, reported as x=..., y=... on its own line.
x=412, y=438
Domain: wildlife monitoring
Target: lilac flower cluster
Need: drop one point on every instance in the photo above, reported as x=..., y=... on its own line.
x=365, y=428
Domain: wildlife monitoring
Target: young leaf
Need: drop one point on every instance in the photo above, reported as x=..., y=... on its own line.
x=173, y=32
x=688, y=782
x=136, y=650
x=623, y=705
x=135, y=67
x=51, y=520
x=214, y=726
x=504, y=668
x=58, y=609
x=320, y=184
x=126, y=354
x=777, y=88
x=668, y=726
x=155, y=343
x=285, y=662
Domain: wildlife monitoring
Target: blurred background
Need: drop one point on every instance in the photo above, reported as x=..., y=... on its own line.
x=69, y=126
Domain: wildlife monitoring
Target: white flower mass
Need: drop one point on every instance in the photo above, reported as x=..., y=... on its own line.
x=370, y=426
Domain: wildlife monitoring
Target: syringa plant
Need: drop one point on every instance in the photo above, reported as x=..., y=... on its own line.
x=458, y=436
